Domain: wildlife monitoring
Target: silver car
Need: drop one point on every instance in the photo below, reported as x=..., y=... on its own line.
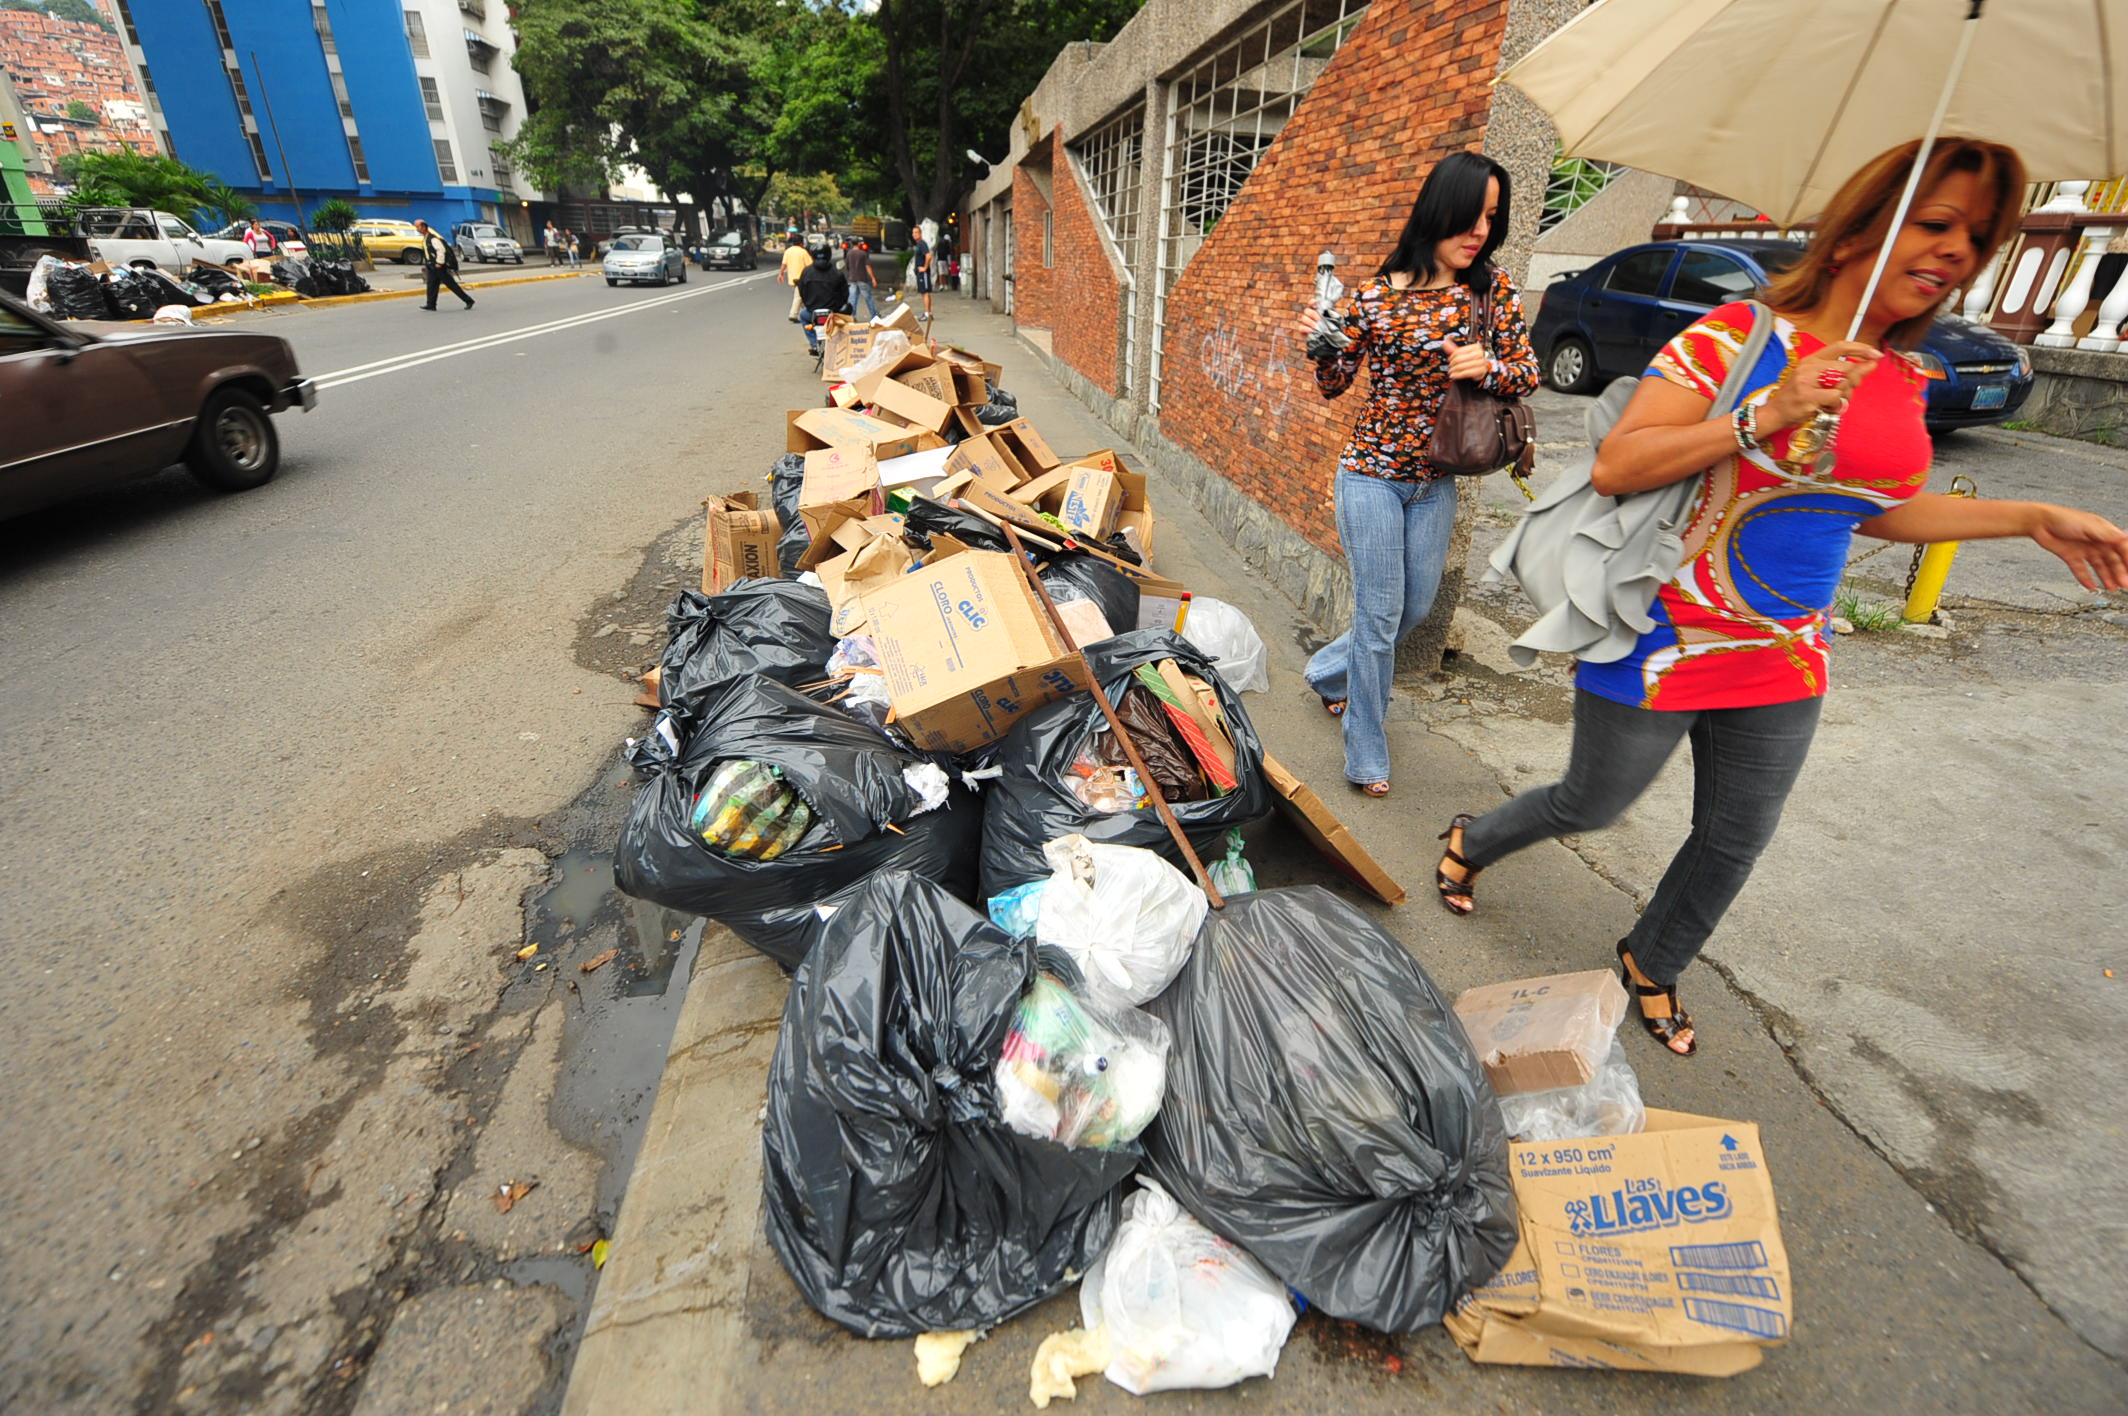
x=645, y=257
x=484, y=241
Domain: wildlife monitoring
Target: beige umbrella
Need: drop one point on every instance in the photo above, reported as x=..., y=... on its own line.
x=1776, y=102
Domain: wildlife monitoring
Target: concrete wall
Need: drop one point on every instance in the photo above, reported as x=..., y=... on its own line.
x=2079, y=393
x=1622, y=214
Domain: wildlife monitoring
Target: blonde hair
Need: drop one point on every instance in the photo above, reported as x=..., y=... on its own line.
x=1859, y=217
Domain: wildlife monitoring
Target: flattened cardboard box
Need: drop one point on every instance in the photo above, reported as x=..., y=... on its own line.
x=1327, y=834
x=810, y=429
x=739, y=542
x=967, y=651
x=1538, y=1034
x=1665, y=1240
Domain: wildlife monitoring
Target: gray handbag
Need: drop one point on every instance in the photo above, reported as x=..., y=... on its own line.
x=1592, y=564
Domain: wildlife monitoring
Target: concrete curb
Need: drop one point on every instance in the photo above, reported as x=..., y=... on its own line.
x=320, y=301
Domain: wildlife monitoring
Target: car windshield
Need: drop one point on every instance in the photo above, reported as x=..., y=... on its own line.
x=636, y=243
x=729, y=238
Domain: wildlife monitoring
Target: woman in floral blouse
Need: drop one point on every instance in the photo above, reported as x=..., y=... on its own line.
x=1413, y=325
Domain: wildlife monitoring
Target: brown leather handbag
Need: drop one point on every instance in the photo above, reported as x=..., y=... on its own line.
x=1477, y=432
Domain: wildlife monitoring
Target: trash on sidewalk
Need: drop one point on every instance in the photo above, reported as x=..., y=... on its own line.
x=938, y=1355
x=776, y=628
x=1326, y=1112
x=1610, y=1231
x=1319, y=824
x=786, y=483
x=1231, y=873
x=739, y=542
x=1079, y=1068
x=1182, y=1307
x=1124, y=916
x=895, y=1197
x=1608, y=1104
x=1540, y=1034
x=1055, y=757
x=866, y=816
x=1229, y=639
x=1062, y=1358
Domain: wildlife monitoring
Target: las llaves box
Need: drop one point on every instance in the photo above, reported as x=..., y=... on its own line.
x=967, y=650
x=739, y=542
x=1660, y=1251
x=1538, y=1034
x=1089, y=502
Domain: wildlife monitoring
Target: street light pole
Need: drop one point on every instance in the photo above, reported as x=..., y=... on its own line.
x=288, y=178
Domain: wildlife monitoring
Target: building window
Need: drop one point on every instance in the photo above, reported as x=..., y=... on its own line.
x=491, y=110
x=258, y=154
x=1224, y=113
x=431, y=99
x=478, y=9
x=221, y=26
x=478, y=51
x=354, y=150
x=339, y=88
x=417, y=35
x=1111, y=158
x=446, y=165
x=125, y=18
x=1049, y=242
x=501, y=165
x=323, y=25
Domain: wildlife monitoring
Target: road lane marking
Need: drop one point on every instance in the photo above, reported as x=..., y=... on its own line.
x=414, y=358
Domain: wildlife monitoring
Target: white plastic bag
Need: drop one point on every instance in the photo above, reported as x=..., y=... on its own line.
x=40, y=276
x=1183, y=1307
x=885, y=350
x=1124, y=915
x=1608, y=1104
x=1229, y=640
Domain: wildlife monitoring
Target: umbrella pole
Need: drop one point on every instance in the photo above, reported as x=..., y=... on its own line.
x=1913, y=178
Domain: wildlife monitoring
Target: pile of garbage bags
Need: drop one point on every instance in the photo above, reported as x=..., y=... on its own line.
x=776, y=628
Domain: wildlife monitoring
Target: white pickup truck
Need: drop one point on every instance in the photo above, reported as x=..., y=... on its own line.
x=136, y=236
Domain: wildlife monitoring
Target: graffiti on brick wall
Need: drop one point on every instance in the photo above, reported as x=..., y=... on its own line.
x=1228, y=368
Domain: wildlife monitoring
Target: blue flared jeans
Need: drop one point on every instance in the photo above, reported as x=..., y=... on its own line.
x=1395, y=536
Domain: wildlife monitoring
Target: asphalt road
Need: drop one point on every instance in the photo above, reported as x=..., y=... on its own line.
x=274, y=768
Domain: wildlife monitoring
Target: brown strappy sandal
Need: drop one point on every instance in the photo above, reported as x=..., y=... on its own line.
x=1373, y=789
x=1673, y=1023
x=1453, y=890
x=1335, y=707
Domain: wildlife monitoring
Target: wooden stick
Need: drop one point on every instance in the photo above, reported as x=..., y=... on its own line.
x=998, y=521
x=1115, y=725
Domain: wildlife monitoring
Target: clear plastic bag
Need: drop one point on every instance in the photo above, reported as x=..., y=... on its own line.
x=856, y=662
x=1229, y=639
x=1608, y=1104
x=1183, y=1307
x=1125, y=916
x=885, y=350
x=1079, y=1070
x=1231, y=873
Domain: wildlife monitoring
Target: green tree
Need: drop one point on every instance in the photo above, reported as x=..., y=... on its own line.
x=135, y=180
x=225, y=201
x=800, y=198
x=80, y=111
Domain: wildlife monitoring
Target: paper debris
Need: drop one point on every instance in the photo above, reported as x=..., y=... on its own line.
x=938, y=1355
x=1080, y=1352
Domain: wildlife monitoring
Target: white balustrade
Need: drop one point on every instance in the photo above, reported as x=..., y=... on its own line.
x=2068, y=197
x=2076, y=295
x=2107, y=334
x=1981, y=297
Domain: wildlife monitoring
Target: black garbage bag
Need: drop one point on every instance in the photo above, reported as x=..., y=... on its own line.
x=337, y=278
x=993, y=413
x=75, y=294
x=1326, y=1112
x=998, y=396
x=897, y=1198
x=786, y=481
x=298, y=276
x=927, y=517
x=851, y=779
x=213, y=279
x=777, y=628
x=1033, y=803
x=1115, y=593
x=169, y=291
x=131, y=295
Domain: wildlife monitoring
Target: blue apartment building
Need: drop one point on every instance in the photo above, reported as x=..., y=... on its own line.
x=324, y=99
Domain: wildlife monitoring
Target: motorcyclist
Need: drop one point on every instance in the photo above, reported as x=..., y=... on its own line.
x=821, y=287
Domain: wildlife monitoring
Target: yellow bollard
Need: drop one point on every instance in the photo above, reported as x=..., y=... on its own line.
x=1932, y=567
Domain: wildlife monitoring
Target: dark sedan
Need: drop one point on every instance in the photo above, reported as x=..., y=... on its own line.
x=1608, y=321
x=729, y=250
x=87, y=410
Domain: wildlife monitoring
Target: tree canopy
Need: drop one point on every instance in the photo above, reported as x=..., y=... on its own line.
x=718, y=98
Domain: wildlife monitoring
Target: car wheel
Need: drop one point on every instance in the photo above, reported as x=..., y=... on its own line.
x=410, y=256
x=683, y=272
x=1572, y=367
x=610, y=282
x=234, y=445
x=519, y=261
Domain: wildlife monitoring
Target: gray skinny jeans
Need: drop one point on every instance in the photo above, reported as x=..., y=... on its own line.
x=1744, y=760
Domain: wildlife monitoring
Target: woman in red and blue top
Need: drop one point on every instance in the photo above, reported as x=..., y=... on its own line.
x=1414, y=324
x=1736, y=660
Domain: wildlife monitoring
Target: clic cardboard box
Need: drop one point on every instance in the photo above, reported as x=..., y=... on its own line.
x=967, y=650
x=1538, y=1034
x=1659, y=1251
x=738, y=543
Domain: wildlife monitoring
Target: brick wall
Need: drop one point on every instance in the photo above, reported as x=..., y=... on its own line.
x=1031, y=281
x=1409, y=87
x=1086, y=297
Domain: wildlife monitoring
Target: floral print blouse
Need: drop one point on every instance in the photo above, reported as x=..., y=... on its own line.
x=1399, y=332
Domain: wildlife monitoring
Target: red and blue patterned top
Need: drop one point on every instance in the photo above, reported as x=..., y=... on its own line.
x=1400, y=332
x=1743, y=624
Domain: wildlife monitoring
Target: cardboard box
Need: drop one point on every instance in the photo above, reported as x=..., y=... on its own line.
x=841, y=485
x=1538, y=1034
x=1662, y=1248
x=1089, y=502
x=903, y=318
x=810, y=429
x=934, y=380
x=846, y=345
x=739, y=541
x=975, y=363
x=988, y=459
x=917, y=408
x=848, y=577
x=1026, y=446
x=1327, y=834
x=967, y=650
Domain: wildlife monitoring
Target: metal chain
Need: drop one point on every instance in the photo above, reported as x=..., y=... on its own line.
x=1961, y=486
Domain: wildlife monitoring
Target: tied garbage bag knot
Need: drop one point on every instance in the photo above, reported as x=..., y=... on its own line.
x=961, y=1101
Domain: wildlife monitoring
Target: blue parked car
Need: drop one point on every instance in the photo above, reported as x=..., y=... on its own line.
x=1608, y=321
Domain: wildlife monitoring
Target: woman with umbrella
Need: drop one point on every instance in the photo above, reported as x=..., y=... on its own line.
x=1736, y=660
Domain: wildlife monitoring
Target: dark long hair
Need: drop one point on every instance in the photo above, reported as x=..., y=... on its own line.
x=1450, y=202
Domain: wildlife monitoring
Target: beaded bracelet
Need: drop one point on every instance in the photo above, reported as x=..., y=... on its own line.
x=1745, y=423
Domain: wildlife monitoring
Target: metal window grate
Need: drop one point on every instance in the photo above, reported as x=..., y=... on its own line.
x=417, y=34
x=1112, y=158
x=354, y=150
x=1224, y=113
x=431, y=99
x=1573, y=182
x=322, y=23
x=446, y=165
